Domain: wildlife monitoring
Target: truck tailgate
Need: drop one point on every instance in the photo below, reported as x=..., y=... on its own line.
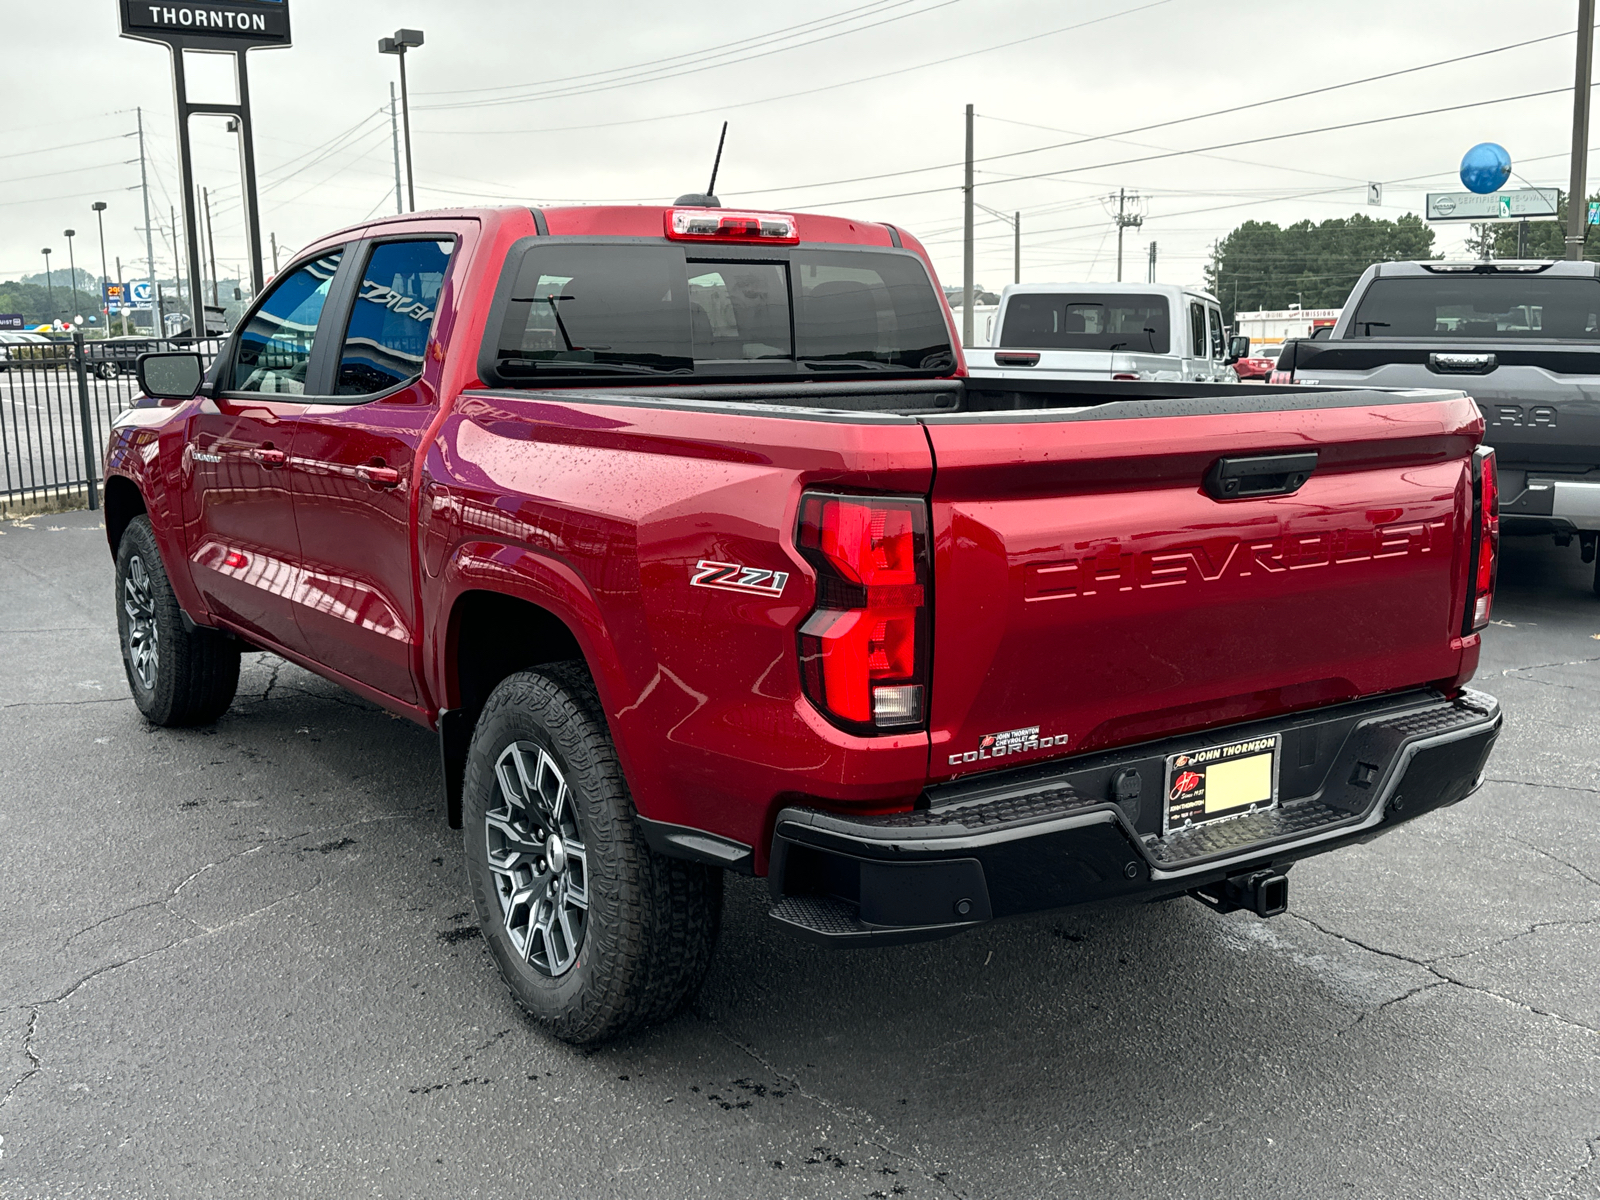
x=1539, y=398
x=1090, y=593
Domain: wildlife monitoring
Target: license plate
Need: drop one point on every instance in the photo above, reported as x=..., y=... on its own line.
x=1217, y=782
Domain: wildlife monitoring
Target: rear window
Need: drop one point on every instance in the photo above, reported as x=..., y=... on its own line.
x=640, y=309
x=1076, y=321
x=1480, y=306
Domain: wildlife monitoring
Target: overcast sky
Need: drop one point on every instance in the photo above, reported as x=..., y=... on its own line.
x=575, y=103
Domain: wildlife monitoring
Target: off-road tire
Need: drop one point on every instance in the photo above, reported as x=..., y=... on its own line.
x=196, y=671
x=652, y=922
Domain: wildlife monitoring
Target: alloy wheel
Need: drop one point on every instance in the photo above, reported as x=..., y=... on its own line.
x=538, y=859
x=144, y=640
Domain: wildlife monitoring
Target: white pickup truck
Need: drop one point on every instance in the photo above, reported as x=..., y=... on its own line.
x=1150, y=331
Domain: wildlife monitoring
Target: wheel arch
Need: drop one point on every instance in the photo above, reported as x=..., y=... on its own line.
x=488, y=635
x=122, y=502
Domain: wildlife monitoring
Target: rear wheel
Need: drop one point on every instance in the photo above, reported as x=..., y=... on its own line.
x=177, y=676
x=594, y=933
x=107, y=370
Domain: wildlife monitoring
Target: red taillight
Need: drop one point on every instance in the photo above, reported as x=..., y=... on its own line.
x=716, y=224
x=1124, y=375
x=1485, y=558
x=1281, y=377
x=864, y=649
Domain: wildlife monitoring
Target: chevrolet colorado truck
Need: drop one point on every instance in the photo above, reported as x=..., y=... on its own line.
x=687, y=532
x=1522, y=337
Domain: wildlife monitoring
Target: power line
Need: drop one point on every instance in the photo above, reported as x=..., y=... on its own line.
x=828, y=87
x=1276, y=137
x=68, y=171
x=706, y=52
x=1084, y=140
x=656, y=76
x=115, y=137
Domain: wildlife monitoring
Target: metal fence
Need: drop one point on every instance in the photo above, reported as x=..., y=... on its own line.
x=57, y=402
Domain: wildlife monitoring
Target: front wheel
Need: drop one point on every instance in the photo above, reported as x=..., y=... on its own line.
x=178, y=676
x=594, y=933
x=107, y=370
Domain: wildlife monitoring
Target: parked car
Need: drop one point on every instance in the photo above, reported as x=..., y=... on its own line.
x=1126, y=331
x=115, y=356
x=21, y=347
x=1247, y=365
x=686, y=531
x=1522, y=338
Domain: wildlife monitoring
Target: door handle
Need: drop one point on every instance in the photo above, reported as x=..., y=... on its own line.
x=380, y=475
x=268, y=457
x=1261, y=475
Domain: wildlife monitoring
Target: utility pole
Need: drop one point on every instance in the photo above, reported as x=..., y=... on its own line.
x=211, y=254
x=125, y=304
x=394, y=130
x=177, y=258
x=274, y=238
x=149, y=234
x=99, y=207
x=72, y=259
x=49, y=284
x=1016, y=253
x=966, y=242
x=1150, y=269
x=1125, y=220
x=1578, y=194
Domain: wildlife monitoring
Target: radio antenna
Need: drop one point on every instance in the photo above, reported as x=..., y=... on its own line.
x=711, y=188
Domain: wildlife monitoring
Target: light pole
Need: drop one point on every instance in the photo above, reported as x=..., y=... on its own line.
x=72, y=259
x=403, y=40
x=99, y=207
x=49, y=286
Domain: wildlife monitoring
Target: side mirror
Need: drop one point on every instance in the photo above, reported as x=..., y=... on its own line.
x=1238, y=347
x=174, y=376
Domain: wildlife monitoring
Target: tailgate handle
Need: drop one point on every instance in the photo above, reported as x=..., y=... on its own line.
x=1016, y=358
x=1461, y=364
x=1263, y=475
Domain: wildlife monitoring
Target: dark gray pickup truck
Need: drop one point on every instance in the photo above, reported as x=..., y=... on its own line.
x=1522, y=338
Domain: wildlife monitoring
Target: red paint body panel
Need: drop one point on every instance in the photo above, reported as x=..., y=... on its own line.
x=1089, y=586
x=1082, y=579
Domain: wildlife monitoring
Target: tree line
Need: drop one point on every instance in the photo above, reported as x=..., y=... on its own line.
x=1262, y=266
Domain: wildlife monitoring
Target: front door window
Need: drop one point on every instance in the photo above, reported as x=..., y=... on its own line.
x=275, y=346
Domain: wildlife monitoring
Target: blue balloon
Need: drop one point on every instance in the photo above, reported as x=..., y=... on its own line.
x=1485, y=168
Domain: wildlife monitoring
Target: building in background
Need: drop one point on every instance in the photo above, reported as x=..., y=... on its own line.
x=1268, y=330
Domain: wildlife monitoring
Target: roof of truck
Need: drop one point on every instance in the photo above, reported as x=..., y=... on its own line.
x=647, y=220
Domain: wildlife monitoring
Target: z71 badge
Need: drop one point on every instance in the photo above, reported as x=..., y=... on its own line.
x=731, y=577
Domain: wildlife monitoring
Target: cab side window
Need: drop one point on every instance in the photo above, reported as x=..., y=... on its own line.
x=275, y=347
x=392, y=316
x=1219, y=344
x=1197, y=330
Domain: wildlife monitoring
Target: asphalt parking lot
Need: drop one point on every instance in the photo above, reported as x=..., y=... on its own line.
x=240, y=961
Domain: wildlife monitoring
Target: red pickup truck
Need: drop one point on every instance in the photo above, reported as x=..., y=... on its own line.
x=686, y=531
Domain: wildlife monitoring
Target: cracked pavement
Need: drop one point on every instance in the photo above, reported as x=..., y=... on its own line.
x=241, y=960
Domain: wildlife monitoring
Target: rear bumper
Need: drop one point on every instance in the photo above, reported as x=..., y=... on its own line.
x=1551, y=502
x=1029, y=841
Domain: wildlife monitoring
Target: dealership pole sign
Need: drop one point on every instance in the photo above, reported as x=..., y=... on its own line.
x=213, y=27
x=257, y=22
